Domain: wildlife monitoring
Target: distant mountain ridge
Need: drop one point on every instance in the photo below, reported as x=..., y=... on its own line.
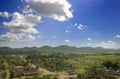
x=62, y=48
x=5, y=48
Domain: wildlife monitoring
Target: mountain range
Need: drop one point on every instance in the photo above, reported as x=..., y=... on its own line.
x=60, y=48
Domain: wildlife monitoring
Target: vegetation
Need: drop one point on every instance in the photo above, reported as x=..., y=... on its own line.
x=38, y=63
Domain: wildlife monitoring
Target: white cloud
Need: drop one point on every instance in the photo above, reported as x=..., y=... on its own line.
x=21, y=26
x=75, y=24
x=89, y=44
x=4, y=14
x=10, y=37
x=79, y=26
x=26, y=9
x=108, y=44
x=16, y=37
x=31, y=37
x=105, y=44
x=0, y=13
x=117, y=36
x=68, y=31
x=56, y=9
x=39, y=36
x=67, y=41
x=111, y=42
x=22, y=23
x=89, y=39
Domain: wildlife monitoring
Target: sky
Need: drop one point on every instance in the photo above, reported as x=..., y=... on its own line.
x=80, y=23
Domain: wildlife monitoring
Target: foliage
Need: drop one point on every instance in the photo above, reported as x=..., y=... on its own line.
x=113, y=65
x=85, y=64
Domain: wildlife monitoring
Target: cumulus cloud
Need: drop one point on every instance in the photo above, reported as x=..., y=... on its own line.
x=21, y=26
x=4, y=14
x=10, y=37
x=67, y=41
x=117, y=36
x=39, y=37
x=22, y=23
x=89, y=44
x=26, y=9
x=55, y=9
x=89, y=39
x=31, y=37
x=108, y=44
x=105, y=44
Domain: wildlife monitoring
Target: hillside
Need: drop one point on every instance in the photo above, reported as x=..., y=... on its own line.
x=62, y=48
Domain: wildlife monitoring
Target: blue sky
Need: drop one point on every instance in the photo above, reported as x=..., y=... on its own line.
x=77, y=23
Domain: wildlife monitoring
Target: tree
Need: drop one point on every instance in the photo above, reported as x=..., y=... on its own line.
x=4, y=65
x=55, y=77
x=79, y=76
x=97, y=72
x=3, y=74
x=12, y=73
x=107, y=64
